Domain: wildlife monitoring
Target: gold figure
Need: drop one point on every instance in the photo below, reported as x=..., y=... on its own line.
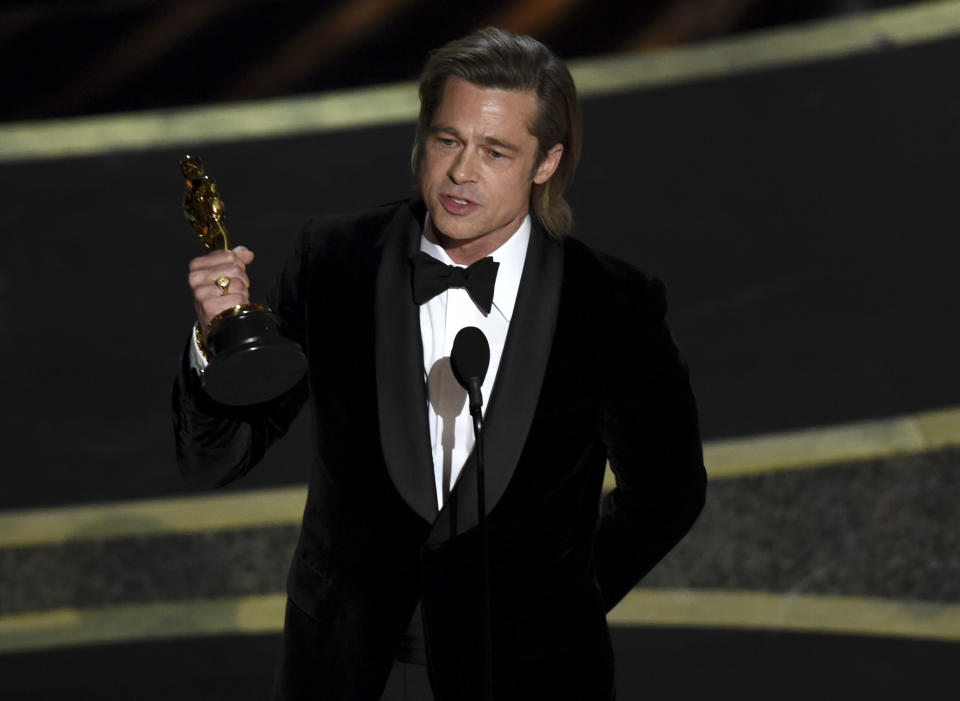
x=204, y=209
x=249, y=360
x=202, y=205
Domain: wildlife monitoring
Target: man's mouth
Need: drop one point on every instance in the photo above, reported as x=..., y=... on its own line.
x=457, y=198
x=457, y=205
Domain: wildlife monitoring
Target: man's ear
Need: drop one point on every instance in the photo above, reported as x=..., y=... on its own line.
x=548, y=165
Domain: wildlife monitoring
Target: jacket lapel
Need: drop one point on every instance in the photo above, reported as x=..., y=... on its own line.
x=516, y=389
x=401, y=394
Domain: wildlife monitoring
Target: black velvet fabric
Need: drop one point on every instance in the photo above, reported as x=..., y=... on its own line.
x=613, y=387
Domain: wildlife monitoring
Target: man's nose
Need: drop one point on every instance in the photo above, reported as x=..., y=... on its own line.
x=463, y=168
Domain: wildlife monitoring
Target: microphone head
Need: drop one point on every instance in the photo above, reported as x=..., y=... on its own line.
x=470, y=356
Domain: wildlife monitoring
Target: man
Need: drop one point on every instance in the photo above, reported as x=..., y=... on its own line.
x=583, y=369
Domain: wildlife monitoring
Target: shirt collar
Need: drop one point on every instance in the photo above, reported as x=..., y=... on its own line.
x=510, y=256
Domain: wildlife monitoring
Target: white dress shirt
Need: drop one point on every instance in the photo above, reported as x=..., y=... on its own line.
x=441, y=318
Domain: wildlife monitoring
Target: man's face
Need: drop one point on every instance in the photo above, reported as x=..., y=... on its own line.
x=477, y=166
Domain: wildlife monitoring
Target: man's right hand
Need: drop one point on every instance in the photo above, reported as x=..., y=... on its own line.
x=207, y=296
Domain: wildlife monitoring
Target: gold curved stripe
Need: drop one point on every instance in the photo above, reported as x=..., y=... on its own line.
x=192, y=514
x=278, y=506
x=397, y=103
x=789, y=612
x=63, y=628
x=829, y=445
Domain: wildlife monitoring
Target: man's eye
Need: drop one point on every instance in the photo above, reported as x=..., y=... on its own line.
x=495, y=155
x=447, y=142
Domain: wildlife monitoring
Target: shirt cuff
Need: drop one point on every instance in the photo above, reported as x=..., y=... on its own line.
x=197, y=361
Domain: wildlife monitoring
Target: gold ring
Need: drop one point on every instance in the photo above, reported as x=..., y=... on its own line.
x=223, y=284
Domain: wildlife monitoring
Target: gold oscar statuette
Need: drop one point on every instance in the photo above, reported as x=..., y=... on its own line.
x=250, y=361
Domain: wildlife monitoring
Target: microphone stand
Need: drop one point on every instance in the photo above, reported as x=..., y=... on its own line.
x=476, y=402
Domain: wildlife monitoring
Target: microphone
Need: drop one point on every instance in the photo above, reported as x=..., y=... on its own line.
x=469, y=359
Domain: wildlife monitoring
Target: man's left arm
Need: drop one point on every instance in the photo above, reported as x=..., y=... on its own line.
x=652, y=437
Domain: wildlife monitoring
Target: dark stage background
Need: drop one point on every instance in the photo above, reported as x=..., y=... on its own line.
x=804, y=221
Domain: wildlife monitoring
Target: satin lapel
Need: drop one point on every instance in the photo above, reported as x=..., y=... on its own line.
x=401, y=393
x=510, y=413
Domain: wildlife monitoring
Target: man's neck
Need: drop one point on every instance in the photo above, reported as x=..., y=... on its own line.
x=468, y=252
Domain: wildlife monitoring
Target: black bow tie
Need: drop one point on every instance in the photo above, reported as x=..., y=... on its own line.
x=431, y=277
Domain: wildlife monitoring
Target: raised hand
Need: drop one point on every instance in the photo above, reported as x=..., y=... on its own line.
x=209, y=297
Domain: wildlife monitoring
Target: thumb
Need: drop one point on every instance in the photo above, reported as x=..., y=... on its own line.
x=244, y=253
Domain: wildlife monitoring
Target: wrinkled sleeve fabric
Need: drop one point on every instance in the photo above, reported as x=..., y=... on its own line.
x=650, y=430
x=216, y=444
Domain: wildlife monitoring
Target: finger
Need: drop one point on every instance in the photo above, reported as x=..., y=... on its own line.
x=208, y=309
x=221, y=257
x=238, y=286
x=211, y=259
x=201, y=277
x=209, y=301
x=214, y=305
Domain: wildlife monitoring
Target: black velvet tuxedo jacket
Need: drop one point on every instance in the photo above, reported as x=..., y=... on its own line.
x=589, y=373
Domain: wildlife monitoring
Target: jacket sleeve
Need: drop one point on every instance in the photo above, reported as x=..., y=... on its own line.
x=651, y=434
x=216, y=444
